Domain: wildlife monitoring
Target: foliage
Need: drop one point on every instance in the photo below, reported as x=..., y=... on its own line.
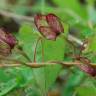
x=28, y=81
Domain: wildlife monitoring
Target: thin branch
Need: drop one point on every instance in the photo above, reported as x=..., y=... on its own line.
x=15, y=16
x=31, y=19
x=42, y=64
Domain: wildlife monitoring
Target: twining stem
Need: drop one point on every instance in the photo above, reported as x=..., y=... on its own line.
x=35, y=50
x=44, y=64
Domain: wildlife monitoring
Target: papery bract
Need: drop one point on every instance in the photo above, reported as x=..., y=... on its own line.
x=8, y=38
x=88, y=69
x=47, y=32
x=7, y=42
x=55, y=23
x=38, y=20
x=4, y=48
x=48, y=25
x=11, y=40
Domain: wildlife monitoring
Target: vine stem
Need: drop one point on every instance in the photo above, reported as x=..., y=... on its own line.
x=44, y=64
x=35, y=50
x=16, y=16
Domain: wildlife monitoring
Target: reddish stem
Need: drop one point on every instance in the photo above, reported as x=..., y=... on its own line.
x=42, y=50
x=36, y=49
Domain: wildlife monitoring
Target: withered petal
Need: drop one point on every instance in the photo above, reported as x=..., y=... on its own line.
x=48, y=25
x=11, y=40
x=88, y=69
x=48, y=33
x=5, y=49
x=38, y=20
x=8, y=38
x=7, y=42
x=55, y=23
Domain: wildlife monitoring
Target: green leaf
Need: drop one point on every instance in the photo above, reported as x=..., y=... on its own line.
x=73, y=81
x=92, y=43
x=53, y=50
x=7, y=87
x=86, y=91
x=73, y=6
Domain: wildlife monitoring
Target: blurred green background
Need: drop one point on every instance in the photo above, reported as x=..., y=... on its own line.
x=81, y=16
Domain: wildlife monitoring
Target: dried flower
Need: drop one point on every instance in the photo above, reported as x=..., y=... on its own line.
x=48, y=25
x=88, y=69
x=7, y=42
x=55, y=23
